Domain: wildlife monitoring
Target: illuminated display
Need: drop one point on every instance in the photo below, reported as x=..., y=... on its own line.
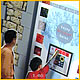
x=61, y=62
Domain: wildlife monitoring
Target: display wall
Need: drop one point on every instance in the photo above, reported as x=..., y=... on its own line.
x=57, y=25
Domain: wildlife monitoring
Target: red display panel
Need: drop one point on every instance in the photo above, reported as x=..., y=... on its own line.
x=39, y=38
x=37, y=50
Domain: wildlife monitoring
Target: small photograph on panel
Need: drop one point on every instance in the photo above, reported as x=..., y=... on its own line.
x=41, y=25
x=37, y=50
x=44, y=12
x=39, y=38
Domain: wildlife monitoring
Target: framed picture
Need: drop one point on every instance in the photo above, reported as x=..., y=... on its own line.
x=39, y=38
x=41, y=25
x=37, y=50
x=44, y=12
x=61, y=63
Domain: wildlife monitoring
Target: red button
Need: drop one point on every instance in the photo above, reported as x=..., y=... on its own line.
x=60, y=51
x=67, y=54
x=63, y=53
x=56, y=49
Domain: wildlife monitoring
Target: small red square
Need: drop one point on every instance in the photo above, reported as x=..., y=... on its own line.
x=67, y=54
x=39, y=38
x=60, y=51
x=63, y=53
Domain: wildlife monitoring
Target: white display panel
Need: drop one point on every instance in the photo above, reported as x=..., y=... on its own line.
x=56, y=25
